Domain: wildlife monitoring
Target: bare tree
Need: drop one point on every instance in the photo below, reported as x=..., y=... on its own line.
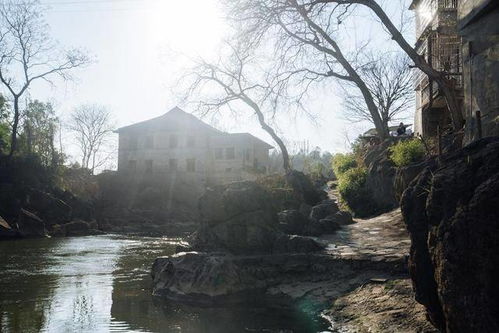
x=232, y=83
x=92, y=126
x=305, y=45
x=391, y=84
x=28, y=54
x=445, y=83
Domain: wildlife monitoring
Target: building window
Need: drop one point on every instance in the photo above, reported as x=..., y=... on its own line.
x=148, y=166
x=191, y=141
x=132, y=142
x=230, y=153
x=149, y=142
x=219, y=153
x=191, y=165
x=246, y=154
x=173, y=141
x=172, y=165
x=132, y=165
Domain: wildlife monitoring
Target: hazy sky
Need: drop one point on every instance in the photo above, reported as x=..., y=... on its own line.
x=137, y=46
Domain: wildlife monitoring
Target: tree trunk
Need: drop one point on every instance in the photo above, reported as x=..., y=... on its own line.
x=285, y=155
x=15, y=125
x=444, y=84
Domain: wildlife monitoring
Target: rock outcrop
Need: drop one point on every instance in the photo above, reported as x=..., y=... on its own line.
x=30, y=225
x=452, y=216
x=238, y=218
x=240, y=251
x=323, y=218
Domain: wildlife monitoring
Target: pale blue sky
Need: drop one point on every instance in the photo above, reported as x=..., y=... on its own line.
x=136, y=44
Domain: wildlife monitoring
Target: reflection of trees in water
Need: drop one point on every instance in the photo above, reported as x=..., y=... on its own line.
x=26, y=286
x=134, y=305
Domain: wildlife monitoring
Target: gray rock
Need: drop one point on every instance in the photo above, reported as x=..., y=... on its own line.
x=342, y=218
x=451, y=214
x=292, y=221
x=77, y=228
x=30, y=225
x=213, y=278
x=324, y=209
x=49, y=208
x=296, y=244
x=6, y=230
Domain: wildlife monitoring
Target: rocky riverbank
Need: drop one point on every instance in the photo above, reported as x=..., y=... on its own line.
x=452, y=217
x=241, y=255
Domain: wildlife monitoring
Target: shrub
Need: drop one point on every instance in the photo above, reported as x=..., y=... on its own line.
x=342, y=163
x=354, y=192
x=407, y=152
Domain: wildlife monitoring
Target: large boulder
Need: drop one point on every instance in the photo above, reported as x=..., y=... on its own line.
x=237, y=218
x=214, y=278
x=48, y=207
x=222, y=203
x=292, y=221
x=30, y=225
x=452, y=217
x=6, y=230
x=323, y=210
x=296, y=244
x=304, y=188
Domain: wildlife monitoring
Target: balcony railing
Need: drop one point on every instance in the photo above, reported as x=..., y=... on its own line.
x=443, y=53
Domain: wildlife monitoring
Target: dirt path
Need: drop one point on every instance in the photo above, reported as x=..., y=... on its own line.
x=386, y=302
x=380, y=238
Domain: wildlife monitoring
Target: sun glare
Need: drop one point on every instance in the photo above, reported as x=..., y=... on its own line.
x=189, y=27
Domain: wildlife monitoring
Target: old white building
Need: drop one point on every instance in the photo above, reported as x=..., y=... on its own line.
x=179, y=144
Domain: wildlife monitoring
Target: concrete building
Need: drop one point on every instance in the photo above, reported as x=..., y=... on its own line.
x=179, y=145
x=440, y=44
x=478, y=24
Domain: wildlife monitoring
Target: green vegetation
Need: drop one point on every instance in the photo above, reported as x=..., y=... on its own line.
x=407, y=152
x=354, y=191
x=342, y=163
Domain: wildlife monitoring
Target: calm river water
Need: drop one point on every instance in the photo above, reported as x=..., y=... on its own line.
x=102, y=284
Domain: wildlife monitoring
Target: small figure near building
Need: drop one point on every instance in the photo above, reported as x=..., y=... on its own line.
x=402, y=129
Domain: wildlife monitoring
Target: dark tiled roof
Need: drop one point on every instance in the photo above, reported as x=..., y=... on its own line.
x=176, y=118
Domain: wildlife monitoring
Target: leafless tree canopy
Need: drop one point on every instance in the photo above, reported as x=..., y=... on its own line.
x=235, y=83
x=389, y=78
x=92, y=126
x=306, y=40
x=27, y=53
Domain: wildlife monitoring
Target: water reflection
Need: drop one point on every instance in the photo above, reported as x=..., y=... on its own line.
x=102, y=284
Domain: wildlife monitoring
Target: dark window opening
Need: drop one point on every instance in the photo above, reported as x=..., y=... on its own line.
x=219, y=153
x=230, y=153
x=133, y=142
x=132, y=165
x=173, y=141
x=191, y=165
x=148, y=166
x=149, y=142
x=172, y=164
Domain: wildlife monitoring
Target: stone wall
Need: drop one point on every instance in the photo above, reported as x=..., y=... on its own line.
x=480, y=31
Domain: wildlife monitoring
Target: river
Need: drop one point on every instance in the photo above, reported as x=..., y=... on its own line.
x=102, y=284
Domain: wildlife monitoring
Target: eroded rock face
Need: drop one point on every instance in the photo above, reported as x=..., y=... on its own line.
x=50, y=208
x=223, y=278
x=6, y=230
x=238, y=218
x=451, y=212
x=30, y=225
